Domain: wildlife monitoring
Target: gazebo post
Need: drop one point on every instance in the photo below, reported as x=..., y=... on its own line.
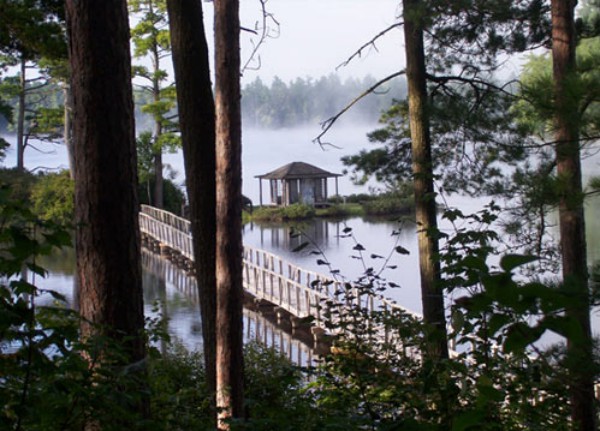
x=337, y=193
x=260, y=191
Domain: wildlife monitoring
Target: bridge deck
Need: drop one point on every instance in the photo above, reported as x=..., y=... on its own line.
x=300, y=292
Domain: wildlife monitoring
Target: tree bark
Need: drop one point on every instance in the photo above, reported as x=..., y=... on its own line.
x=229, y=213
x=197, y=122
x=571, y=215
x=158, y=170
x=158, y=131
x=426, y=209
x=106, y=207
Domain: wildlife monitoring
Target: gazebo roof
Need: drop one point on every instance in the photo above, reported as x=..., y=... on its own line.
x=297, y=170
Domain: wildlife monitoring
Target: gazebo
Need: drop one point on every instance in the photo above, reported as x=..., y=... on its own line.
x=297, y=182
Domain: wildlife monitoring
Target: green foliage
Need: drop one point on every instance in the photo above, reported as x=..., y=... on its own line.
x=290, y=212
x=145, y=156
x=377, y=379
x=50, y=378
x=19, y=183
x=31, y=29
x=355, y=198
x=588, y=22
x=180, y=397
x=473, y=35
x=389, y=205
x=174, y=198
x=276, y=396
x=151, y=41
x=536, y=108
x=339, y=211
x=472, y=133
x=53, y=196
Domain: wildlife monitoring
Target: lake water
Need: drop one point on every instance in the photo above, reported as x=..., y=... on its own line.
x=264, y=151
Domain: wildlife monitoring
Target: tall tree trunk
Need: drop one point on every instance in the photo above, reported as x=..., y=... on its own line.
x=158, y=170
x=229, y=213
x=158, y=131
x=68, y=127
x=571, y=215
x=106, y=207
x=197, y=122
x=158, y=181
x=21, y=115
x=432, y=295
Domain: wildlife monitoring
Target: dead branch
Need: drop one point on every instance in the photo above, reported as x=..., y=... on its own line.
x=327, y=124
x=370, y=44
x=267, y=28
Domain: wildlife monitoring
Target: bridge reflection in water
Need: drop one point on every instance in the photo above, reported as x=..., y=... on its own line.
x=260, y=323
x=296, y=295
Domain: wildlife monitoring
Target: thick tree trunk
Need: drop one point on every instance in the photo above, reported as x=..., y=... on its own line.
x=106, y=208
x=229, y=213
x=571, y=216
x=197, y=123
x=21, y=116
x=431, y=291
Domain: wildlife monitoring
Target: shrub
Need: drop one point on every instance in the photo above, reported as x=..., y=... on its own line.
x=52, y=197
x=19, y=182
x=179, y=395
x=388, y=206
x=338, y=211
x=174, y=198
x=291, y=212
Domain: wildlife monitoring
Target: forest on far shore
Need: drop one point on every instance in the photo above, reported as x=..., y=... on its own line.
x=309, y=100
x=275, y=105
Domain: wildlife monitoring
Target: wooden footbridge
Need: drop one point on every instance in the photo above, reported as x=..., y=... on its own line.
x=296, y=295
x=257, y=326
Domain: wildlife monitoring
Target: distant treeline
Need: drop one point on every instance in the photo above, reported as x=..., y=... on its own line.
x=309, y=100
x=301, y=101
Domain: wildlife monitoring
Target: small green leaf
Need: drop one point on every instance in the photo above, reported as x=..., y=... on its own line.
x=512, y=261
x=300, y=247
x=401, y=250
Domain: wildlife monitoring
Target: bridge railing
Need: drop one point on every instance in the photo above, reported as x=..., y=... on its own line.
x=302, y=293
x=167, y=228
x=256, y=327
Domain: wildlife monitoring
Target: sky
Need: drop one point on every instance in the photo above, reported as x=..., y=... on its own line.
x=315, y=36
